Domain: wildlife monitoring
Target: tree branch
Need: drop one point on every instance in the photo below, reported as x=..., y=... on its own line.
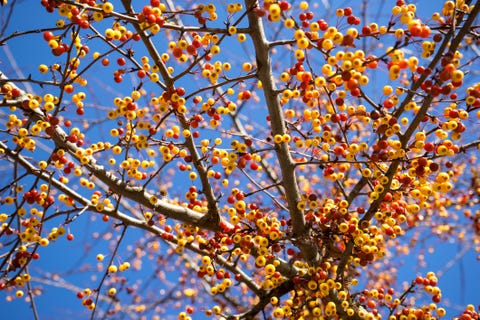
x=287, y=165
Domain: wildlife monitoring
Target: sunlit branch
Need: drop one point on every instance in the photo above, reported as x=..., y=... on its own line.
x=286, y=162
x=29, y=80
x=213, y=216
x=126, y=220
x=127, y=17
x=244, y=277
x=234, y=116
x=152, y=50
x=404, y=139
x=447, y=42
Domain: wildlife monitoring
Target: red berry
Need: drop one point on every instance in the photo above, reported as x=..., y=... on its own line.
x=121, y=61
x=141, y=73
x=366, y=30
x=284, y=5
x=351, y=19
x=47, y=36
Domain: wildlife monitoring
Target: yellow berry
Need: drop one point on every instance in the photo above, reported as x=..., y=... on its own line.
x=107, y=7
x=43, y=68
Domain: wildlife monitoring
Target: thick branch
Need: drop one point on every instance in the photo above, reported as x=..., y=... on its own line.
x=219, y=89
x=136, y=193
x=287, y=165
x=125, y=219
x=427, y=103
x=213, y=215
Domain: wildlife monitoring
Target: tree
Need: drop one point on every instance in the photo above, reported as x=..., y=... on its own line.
x=270, y=160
